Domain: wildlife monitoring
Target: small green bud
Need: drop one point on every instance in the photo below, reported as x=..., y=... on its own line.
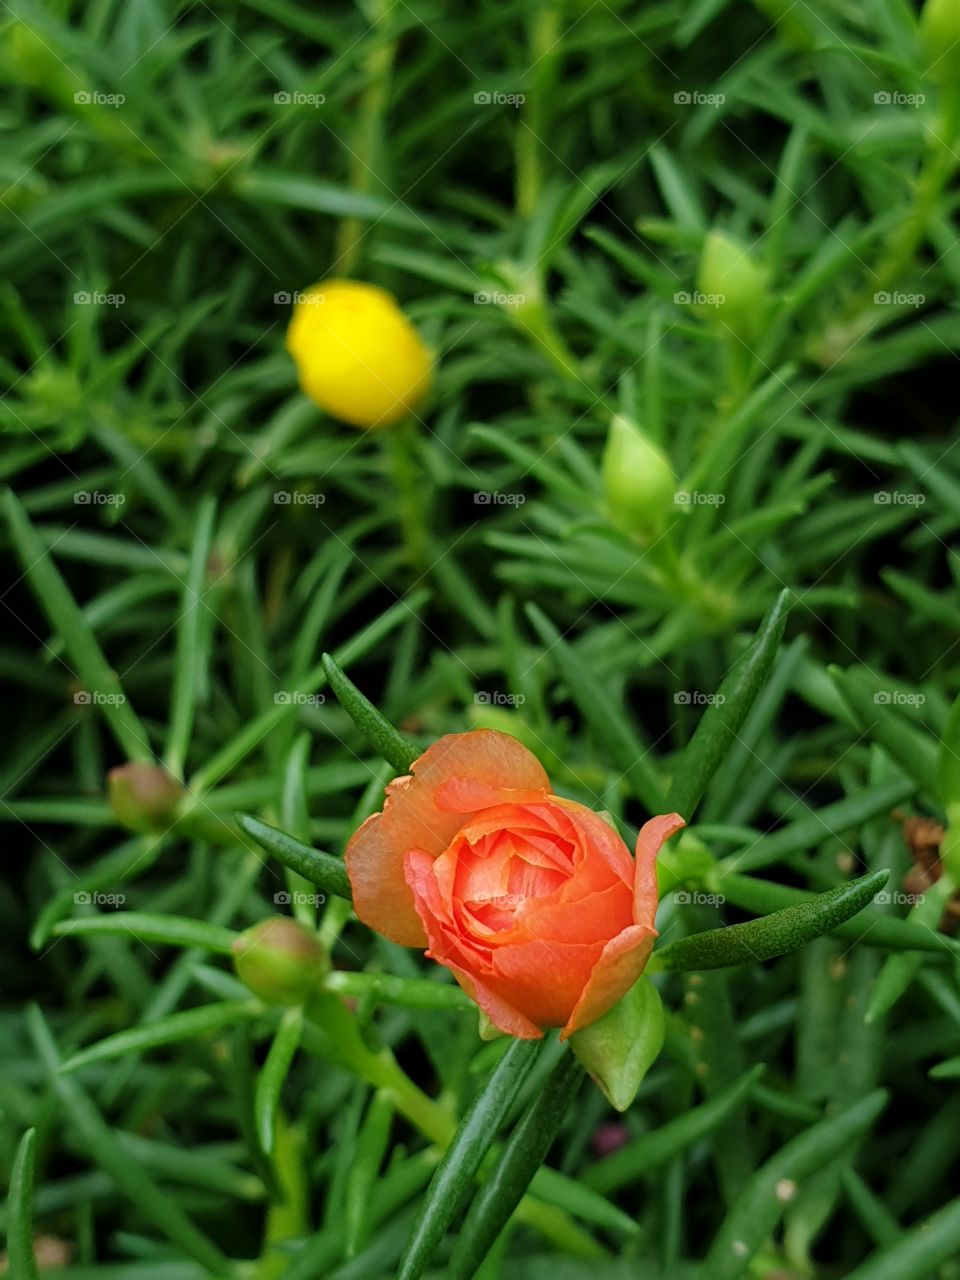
x=733, y=285
x=940, y=40
x=280, y=960
x=619, y=1048
x=638, y=481
x=144, y=797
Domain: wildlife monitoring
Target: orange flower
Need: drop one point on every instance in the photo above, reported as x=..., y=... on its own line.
x=532, y=901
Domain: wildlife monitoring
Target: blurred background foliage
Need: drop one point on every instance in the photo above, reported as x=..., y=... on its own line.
x=557, y=193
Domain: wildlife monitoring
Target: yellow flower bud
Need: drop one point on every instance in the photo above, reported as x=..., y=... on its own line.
x=638, y=481
x=357, y=355
x=733, y=285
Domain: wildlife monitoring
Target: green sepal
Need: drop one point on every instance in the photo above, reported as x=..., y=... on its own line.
x=620, y=1047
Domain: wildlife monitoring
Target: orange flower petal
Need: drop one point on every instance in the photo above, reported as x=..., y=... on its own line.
x=411, y=819
x=449, y=948
x=470, y=795
x=594, y=918
x=544, y=979
x=604, y=858
x=623, y=960
x=500, y=1012
x=653, y=835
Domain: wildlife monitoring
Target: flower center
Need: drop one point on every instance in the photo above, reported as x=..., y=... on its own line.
x=501, y=872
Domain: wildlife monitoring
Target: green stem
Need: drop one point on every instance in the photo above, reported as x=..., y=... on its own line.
x=533, y=319
x=287, y=1219
x=938, y=166
x=400, y=447
x=544, y=46
x=367, y=153
x=433, y=1119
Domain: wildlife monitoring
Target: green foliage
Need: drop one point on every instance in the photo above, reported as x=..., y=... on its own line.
x=732, y=224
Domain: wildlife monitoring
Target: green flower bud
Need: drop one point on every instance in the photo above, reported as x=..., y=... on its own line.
x=619, y=1048
x=638, y=481
x=940, y=40
x=144, y=797
x=280, y=960
x=733, y=286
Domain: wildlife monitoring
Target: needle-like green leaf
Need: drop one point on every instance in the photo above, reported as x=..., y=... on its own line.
x=321, y=869
x=387, y=741
x=772, y=935
x=473, y=1139
x=718, y=727
x=21, y=1260
x=508, y=1180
